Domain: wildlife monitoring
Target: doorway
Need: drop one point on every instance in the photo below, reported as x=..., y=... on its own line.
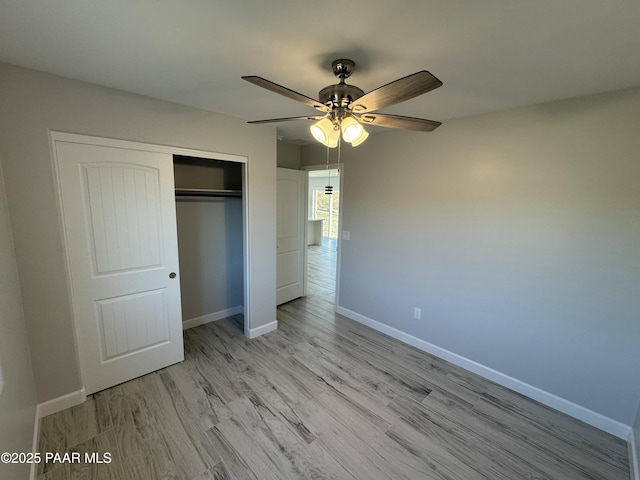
x=324, y=187
x=209, y=214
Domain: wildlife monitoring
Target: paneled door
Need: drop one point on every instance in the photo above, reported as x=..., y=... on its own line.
x=291, y=227
x=119, y=218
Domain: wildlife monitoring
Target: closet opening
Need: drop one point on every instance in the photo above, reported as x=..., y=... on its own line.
x=211, y=222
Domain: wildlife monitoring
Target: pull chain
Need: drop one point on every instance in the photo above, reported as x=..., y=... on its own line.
x=328, y=189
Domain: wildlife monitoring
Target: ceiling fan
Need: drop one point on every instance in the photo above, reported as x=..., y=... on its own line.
x=347, y=108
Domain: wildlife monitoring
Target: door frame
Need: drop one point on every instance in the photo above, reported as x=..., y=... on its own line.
x=330, y=166
x=55, y=136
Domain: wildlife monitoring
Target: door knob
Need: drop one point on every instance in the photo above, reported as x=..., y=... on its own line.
x=172, y=275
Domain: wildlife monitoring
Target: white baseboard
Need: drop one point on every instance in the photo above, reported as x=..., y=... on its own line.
x=212, y=317
x=50, y=407
x=61, y=403
x=269, y=327
x=633, y=442
x=595, y=419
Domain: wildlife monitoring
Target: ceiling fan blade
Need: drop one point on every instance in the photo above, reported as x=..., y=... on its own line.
x=288, y=119
x=399, y=121
x=287, y=92
x=395, y=92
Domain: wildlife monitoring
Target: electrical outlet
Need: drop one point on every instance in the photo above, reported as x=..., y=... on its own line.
x=346, y=235
x=417, y=313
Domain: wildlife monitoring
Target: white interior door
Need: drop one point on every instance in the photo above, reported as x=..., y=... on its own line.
x=291, y=228
x=120, y=226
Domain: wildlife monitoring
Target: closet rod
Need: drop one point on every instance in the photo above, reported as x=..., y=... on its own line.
x=205, y=192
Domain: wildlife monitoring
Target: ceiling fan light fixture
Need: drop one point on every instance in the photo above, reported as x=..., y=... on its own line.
x=325, y=132
x=361, y=138
x=351, y=129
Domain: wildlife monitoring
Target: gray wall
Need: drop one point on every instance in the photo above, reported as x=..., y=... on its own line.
x=210, y=247
x=289, y=155
x=17, y=386
x=517, y=233
x=209, y=238
x=31, y=103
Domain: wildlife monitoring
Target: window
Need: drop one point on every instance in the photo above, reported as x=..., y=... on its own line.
x=321, y=205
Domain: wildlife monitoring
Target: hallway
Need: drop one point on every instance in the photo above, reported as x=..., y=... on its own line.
x=321, y=271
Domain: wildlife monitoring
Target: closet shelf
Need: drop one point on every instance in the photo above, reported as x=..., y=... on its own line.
x=206, y=192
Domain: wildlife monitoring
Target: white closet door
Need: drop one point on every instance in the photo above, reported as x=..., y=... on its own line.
x=291, y=227
x=120, y=228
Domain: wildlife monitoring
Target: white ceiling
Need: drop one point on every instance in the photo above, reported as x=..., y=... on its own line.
x=490, y=54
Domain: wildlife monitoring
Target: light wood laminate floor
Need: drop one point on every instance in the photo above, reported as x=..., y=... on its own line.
x=321, y=397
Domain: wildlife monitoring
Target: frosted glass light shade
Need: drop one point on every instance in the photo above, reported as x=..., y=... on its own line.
x=361, y=138
x=351, y=129
x=325, y=132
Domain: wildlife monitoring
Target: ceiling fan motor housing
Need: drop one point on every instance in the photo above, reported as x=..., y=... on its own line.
x=339, y=95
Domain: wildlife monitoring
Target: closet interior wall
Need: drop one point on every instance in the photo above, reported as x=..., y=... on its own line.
x=210, y=240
